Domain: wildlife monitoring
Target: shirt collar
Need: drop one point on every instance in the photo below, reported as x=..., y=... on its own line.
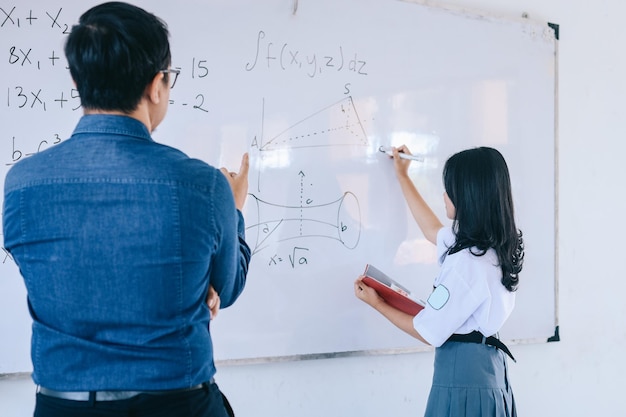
x=109, y=123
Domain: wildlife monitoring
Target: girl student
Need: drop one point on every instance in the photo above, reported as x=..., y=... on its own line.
x=480, y=257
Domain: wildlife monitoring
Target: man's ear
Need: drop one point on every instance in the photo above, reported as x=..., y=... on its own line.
x=153, y=90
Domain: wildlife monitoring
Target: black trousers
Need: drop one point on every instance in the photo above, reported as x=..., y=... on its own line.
x=206, y=402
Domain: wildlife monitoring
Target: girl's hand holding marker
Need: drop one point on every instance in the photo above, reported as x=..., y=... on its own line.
x=402, y=154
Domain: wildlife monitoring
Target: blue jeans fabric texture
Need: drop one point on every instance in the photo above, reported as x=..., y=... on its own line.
x=118, y=238
x=206, y=402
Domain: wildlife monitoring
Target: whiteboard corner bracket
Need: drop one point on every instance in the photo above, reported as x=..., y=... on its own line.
x=556, y=337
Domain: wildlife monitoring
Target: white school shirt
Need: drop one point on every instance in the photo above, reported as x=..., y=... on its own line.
x=468, y=295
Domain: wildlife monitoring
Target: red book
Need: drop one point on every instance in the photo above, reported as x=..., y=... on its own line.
x=392, y=292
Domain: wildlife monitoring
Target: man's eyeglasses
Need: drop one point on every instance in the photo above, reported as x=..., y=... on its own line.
x=173, y=71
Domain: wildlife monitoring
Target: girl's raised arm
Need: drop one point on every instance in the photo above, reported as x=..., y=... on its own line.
x=426, y=219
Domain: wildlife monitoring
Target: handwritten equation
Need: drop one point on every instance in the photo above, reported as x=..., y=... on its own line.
x=21, y=17
x=18, y=153
x=38, y=80
x=32, y=41
x=297, y=257
x=284, y=57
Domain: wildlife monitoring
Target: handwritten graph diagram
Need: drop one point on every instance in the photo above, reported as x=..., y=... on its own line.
x=336, y=125
x=334, y=215
x=333, y=220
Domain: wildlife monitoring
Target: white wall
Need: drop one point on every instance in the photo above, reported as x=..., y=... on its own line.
x=578, y=376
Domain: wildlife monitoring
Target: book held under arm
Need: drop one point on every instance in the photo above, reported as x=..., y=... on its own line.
x=391, y=291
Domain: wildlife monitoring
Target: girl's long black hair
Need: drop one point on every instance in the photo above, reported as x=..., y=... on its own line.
x=478, y=184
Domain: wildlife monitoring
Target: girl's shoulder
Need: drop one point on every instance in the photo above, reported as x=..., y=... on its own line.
x=470, y=263
x=445, y=239
x=472, y=258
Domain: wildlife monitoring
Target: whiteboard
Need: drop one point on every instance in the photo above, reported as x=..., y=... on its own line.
x=311, y=89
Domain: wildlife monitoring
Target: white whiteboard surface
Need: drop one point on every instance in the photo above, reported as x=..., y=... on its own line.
x=311, y=89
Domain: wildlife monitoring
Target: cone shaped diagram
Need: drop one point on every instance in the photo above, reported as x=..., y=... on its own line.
x=342, y=126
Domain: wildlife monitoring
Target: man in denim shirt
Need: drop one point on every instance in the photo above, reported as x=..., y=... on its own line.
x=120, y=240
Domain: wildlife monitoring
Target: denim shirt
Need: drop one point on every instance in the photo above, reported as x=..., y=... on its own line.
x=117, y=238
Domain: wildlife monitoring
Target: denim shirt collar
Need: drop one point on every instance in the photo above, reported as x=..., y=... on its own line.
x=111, y=123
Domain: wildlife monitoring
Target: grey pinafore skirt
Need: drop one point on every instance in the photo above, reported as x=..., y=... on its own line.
x=470, y=380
